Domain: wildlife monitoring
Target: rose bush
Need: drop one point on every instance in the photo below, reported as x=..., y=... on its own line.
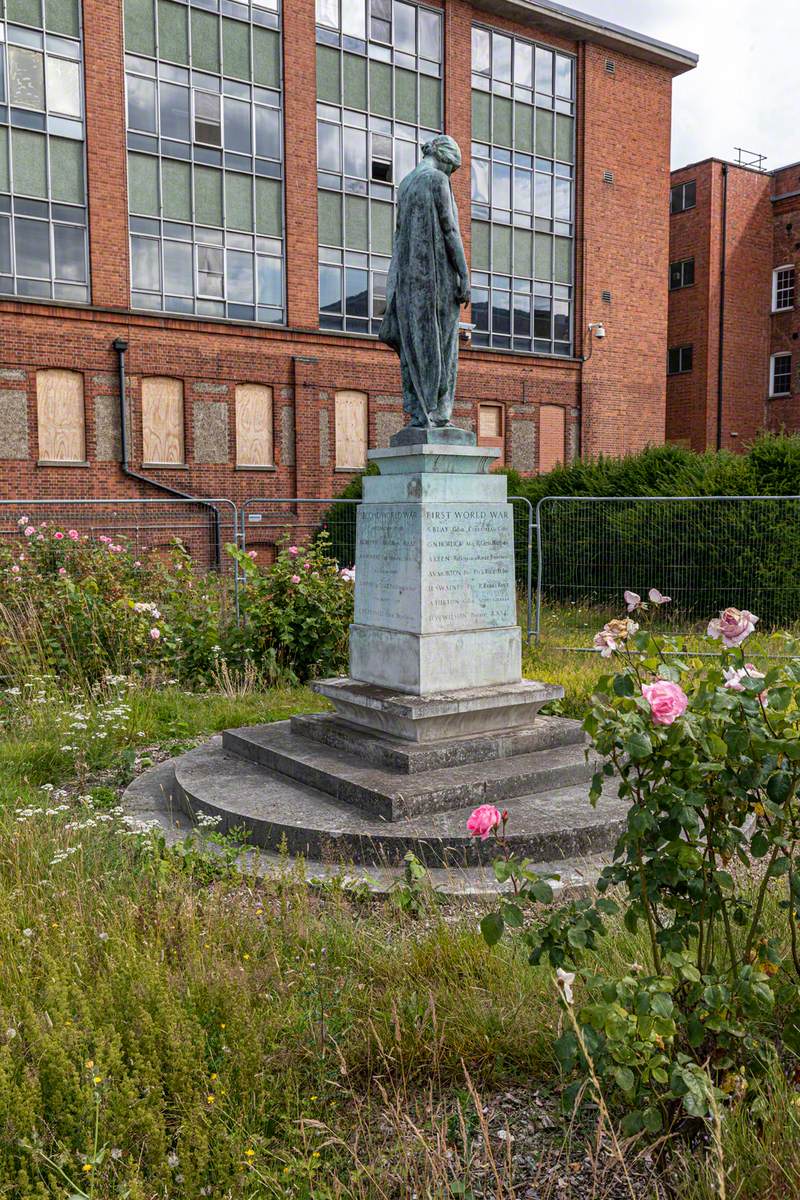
x=706, y=751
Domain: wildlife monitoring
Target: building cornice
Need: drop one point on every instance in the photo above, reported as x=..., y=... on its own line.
x=578, y=26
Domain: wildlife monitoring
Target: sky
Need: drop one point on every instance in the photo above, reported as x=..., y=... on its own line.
x=745, y=90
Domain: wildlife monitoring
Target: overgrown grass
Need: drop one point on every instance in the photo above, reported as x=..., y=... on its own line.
x=242, y=1039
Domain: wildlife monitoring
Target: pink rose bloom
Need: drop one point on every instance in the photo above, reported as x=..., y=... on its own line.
x=73, y=534
x=58, y=536
x=15, y=570
x=347, y=574
x=656, y=597
x=306, y=566
x=62, y=570
x=733, y=625
x=155, y=634
x=137, y=564
x=667, y=701
x=293, y=551
x=30, y=531
x=633, y=600
x=483, y=820
x=252, y=554
x=295, y=579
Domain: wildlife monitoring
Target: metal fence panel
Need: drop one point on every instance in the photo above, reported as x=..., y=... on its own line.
x=203, y=527
x=281, y=520
x=705, y=552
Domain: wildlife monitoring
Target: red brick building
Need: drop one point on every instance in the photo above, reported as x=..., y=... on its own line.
x=733, y=322
x=179, y=200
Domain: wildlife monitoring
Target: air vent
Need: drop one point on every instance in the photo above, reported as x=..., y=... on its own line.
x=605, y=297
x=608, y=176
x=611, y=67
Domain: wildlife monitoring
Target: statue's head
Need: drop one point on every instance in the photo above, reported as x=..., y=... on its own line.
x=445, y=151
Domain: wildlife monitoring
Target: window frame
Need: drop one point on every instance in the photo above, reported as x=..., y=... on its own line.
x=773, y=395
x=681, y=188
x=681, y=351
x=776, y=287
x=681, y=264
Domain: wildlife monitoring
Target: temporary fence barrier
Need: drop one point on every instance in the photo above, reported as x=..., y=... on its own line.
x=705, y=552
x=278, y=521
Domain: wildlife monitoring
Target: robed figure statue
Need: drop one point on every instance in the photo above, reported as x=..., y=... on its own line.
x=428, y=282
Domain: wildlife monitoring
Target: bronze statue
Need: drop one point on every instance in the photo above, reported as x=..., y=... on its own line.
x=428, y=282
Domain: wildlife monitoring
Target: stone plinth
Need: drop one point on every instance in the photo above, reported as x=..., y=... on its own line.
x=435, y=603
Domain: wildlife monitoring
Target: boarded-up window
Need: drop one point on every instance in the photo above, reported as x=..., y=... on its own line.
x=491, y=429
x=351, y=430
x=551, y=437
x=62, y=427
x=162, y=420
x=254, y=425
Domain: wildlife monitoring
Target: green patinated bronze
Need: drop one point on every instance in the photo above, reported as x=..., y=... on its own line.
x=428, y=283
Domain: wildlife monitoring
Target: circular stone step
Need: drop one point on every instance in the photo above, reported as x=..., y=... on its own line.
x=274, y=810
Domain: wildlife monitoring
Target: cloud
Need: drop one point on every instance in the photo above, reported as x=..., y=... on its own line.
x=746, y=87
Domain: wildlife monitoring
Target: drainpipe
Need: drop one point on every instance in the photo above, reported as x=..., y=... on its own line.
x=121, y=347
x=722, y=280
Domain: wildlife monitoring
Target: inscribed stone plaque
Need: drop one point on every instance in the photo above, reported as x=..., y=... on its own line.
x=435, y=568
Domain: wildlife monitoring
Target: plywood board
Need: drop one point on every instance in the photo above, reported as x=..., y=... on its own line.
x=62, y=424
x=490, y=421
x=551, y=437
x=254, y=425
x=162, y=421
x=351, y=430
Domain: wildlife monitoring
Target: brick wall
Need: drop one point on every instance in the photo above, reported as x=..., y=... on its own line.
x=623, y=124
x=784, y=413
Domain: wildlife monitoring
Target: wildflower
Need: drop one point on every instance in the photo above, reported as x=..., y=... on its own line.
x=86, y=1167
x=103, y=937
x=10, y=1034
x=483, y=820
x=210, y=1099
x=97, y=1079
x=564, y=981
x=295, y=579
x=172, y=1160
x=28, y=933
x=667, y=701
x=89, y=1064
x=249, y=1153
x=733, y=625
x=155, y=633
x=213, y=1076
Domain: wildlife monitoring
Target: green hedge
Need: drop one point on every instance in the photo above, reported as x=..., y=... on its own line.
x=748, y=555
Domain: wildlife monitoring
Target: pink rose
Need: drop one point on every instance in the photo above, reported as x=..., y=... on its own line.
x=62, y=571
x=306, y=566
x=30, y=531
x=295, y=579
x=73, y=534
x=252, y=554
x=633, y=600
x=293, y=551
x=656, y=597
x=15, y=570
x=58, y=536
x=155, y=634
x=613, y=635
x=483, y=820
x=667, y=701
x=733, y=625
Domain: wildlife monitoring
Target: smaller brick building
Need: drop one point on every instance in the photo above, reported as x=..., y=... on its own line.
x=734, y=327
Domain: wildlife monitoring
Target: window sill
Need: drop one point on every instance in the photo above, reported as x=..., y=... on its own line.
x=165, y=466
x=265, y=467
x=46, y=462
x=349, y=470
x=780, y=395
x=777, y=311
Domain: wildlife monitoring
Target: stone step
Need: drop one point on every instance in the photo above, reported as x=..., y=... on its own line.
x=271, y=808
x=394, y=797
x=412, y=758
x=149, y=800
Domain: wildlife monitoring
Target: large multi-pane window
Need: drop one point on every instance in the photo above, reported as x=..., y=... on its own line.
x=523, y=194
x=379, y=91
x=43, y=238
x=205, y=157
